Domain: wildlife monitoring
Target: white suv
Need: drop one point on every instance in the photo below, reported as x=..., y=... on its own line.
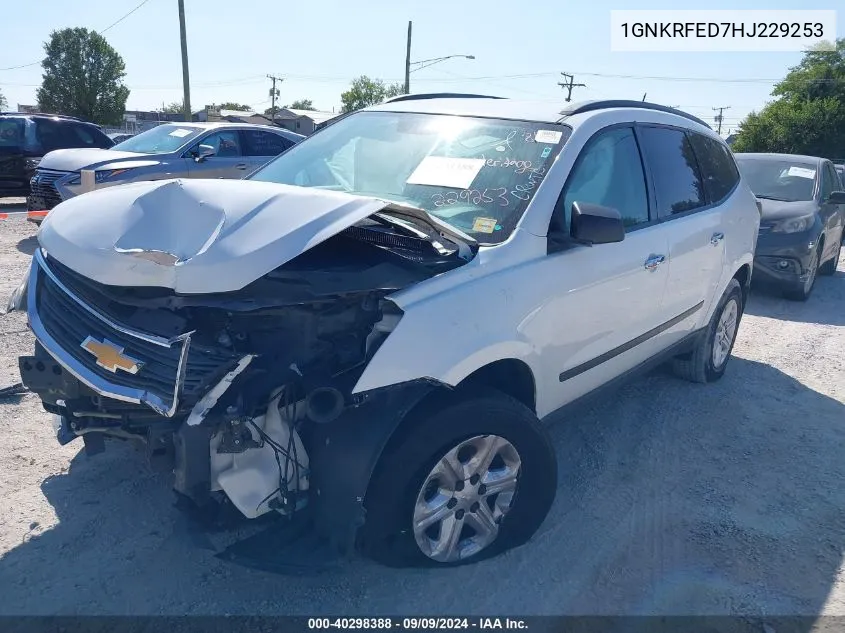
x=368, y=330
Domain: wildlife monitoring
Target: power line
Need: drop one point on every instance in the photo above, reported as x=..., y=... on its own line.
x=569, y=86
x=115, y=23
x=273, y=94
x=718, y=118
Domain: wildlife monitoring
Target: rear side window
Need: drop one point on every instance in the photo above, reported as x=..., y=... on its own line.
x=677, y=181
x=717, y=166
x=259, y=143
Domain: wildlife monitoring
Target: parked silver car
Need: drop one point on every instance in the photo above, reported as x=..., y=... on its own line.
x=171, y=150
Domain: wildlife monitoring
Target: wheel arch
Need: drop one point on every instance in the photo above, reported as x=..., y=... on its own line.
x=743, y=276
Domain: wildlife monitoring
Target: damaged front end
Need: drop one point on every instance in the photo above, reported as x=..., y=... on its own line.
x=246, y=394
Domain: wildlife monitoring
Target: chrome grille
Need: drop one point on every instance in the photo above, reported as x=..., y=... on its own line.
x=180, y=371
x=43, y=186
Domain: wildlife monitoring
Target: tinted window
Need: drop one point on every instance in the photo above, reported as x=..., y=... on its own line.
x=826, y=183
x=833, y=177
x=609, y=172
x=258, y=143
x=674, y=168
x=12, y=134
x=78, y=135
x=226, y=144
x=717, y=166
x=50, y=135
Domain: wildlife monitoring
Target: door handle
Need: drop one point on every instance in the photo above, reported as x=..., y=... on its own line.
x=241, y=166
x=654, y=261
x=716, y=238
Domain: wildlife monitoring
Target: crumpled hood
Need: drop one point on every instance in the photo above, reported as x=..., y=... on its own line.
x=774, y=210
x=195, y=236
x=77, y=159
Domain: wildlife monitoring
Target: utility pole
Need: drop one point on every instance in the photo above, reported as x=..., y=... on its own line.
x=186, y=81
x=273, y=94
x=569, y=86
x=408, y=61
x=719, y=117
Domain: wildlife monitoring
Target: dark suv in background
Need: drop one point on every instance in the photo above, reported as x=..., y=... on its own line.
x=25, y=138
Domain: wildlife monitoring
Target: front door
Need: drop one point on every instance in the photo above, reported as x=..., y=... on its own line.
x=227, y=161
x=604, y=301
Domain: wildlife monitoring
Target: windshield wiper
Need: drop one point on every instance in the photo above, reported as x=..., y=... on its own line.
x=764, y=197
x=416, y=215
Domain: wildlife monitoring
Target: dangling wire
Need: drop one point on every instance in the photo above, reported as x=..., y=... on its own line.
x=289, y=453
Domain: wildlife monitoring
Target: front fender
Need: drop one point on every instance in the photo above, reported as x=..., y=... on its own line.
x=447, y=358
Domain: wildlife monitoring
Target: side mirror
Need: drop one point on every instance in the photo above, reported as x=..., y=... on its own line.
x=837, y=197
x=203, y=152
x=595, y=224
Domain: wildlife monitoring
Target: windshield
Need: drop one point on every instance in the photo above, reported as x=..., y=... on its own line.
x=476, y=174
x=785, y=180
x=161, y=139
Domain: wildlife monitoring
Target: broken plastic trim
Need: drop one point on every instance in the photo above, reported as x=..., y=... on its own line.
x=209, y=400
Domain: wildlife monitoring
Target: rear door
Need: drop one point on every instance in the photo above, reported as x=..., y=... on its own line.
x=228, y=160
x=262, y=146
x=694, y=225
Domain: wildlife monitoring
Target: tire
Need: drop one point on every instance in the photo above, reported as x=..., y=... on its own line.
x=700, y=364
x=803, y=292
x=469, y=419
x=829, y=267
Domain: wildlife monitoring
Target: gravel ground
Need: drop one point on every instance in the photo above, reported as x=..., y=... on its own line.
x=673, y=499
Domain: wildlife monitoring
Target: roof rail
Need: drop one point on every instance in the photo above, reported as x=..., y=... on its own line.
x=440, y=95
x=590, y=106
x=58, y=116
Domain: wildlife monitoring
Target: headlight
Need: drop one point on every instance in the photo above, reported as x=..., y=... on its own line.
x=794, y=225
x=108, y=174
x=32, y=163
x=17, y=302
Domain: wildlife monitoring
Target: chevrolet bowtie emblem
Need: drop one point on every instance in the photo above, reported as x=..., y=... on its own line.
x=110, y=356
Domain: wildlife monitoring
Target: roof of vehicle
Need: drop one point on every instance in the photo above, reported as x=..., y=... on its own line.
x=205, y=125
x=46, y=115
x=544, y=111
x=776, y=156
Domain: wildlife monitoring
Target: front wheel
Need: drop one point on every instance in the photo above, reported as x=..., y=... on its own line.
x=709, y=358
x=803, y=292
x=469, y=479
x=829, y=267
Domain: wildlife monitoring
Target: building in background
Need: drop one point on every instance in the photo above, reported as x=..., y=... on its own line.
x=303, y=121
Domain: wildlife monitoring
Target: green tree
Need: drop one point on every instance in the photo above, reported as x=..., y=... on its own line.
x=808, y=113
x=83, y=77
x=3, y=102
x=364, y=92
x=302, y=104
x=231, y=105
x=172, y=108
